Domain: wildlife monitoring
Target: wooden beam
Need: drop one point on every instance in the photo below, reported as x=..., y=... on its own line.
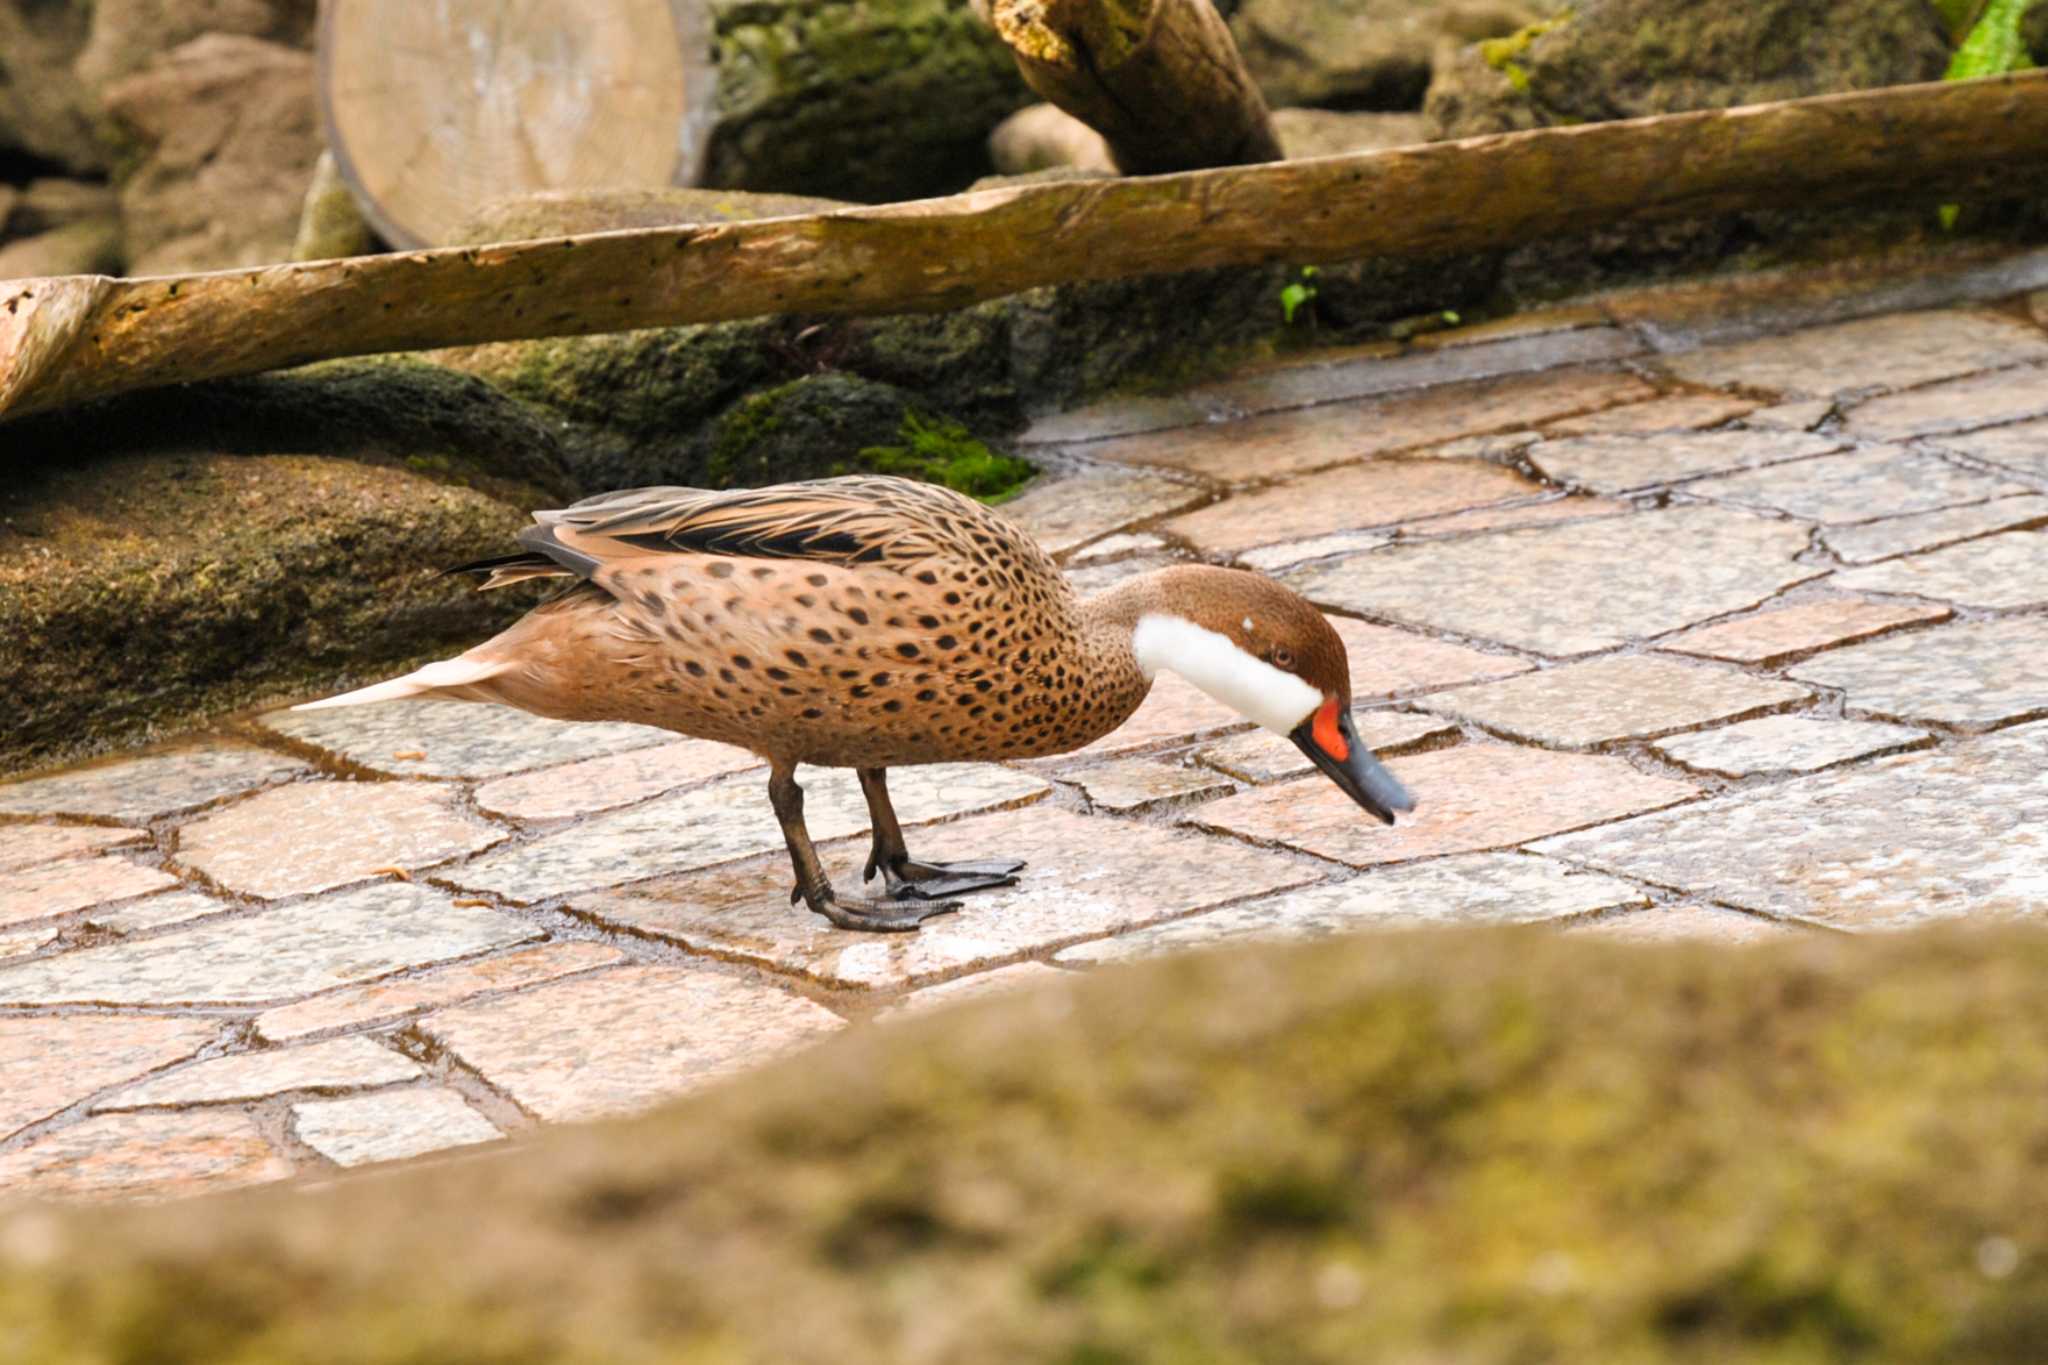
x=65, y=340
x=1161, y=80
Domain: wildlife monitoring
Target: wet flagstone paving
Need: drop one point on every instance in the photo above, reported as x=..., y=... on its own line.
x=1722, y=641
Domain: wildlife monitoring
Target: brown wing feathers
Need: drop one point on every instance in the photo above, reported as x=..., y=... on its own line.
x=853, y=520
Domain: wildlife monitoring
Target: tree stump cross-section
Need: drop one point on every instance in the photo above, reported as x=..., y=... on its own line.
x=434, y=107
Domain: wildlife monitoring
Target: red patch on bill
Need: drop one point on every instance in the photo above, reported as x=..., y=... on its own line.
x=1328, y=737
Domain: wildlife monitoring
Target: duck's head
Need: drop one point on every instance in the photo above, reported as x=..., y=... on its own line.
x=1269, y=655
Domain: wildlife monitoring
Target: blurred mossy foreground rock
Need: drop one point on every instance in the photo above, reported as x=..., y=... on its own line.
x=174, y=554
x=1614, y=59
x=871, y=100
x=1509, y=1146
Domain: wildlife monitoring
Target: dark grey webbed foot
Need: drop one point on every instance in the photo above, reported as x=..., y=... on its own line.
x=906, y=877
x=875, y=916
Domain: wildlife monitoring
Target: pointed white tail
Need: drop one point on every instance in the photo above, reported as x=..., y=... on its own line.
x=456, y=672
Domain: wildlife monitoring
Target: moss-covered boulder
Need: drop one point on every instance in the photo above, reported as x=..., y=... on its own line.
x=856, y=99
x=1613, y=59
x=173, y=555
x=1506, y=1147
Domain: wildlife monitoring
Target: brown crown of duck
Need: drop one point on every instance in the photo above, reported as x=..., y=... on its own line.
x=870, y=622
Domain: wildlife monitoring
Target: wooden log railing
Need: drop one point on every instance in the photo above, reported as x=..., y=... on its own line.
x=79, y=337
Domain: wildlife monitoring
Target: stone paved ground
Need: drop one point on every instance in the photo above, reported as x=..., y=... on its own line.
x=1734, y=641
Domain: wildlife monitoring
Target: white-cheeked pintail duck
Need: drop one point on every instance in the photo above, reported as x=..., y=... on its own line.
x=868, y=622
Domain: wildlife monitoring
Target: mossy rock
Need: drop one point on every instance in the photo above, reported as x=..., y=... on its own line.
x=1614, y=59
x=173, y=555
x=639, y=407
x=873, y=100
x=1506, y=1146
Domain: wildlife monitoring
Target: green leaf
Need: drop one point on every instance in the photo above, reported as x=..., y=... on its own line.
x=1292, y=297
x=1994, y=47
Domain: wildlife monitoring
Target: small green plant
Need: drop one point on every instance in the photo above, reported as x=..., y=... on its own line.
x=1298, y=291
x=1992, y=47
x=939, y=450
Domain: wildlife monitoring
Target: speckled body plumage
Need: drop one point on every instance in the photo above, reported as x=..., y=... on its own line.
x=962, y=641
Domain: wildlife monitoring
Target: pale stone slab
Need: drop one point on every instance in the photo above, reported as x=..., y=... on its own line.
x=1555, y=590
x=157, y=912
x=1298, y=440
x=1929, y=530
x=317, y=835
x=1888, y=844
x=1679, y=412
x=1388, y=663
x=614, y=780
x=139, y=789
x=1084, y=876
x=48, y=1064
x=1122, y=416
x=1501, y=516
x=27, y=845
x=1375, y=371
x=1782, y=632
x=1894, y=351
x=24, y=942
x=1858, y=485
x=1619, y=464
x=456, y=738
x=1970, y=674
x=340, y=940
x=728, y=820
x=1262, y=756
x=1686, y=924
x=1798, y=744
x=409, y=995
x=1133, y=784
x=623, y=1040
x=1618, y=698
x=1271, y=558
x=1469, y=798
x=138, y=1157
x=1078, y=508
x=362, y=1129
x=1471, y=888
x=1019, y=976
x=1792, y=416
x=1498, y=446
x=2022, y=447
x=2009, y=570
x=1112, y=547
x=1377, y=493
x=340, y=1064
x=59, y=888
x=1982, y=400
x=1090, y=579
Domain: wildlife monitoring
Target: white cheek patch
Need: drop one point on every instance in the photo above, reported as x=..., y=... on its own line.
x=1243, y=682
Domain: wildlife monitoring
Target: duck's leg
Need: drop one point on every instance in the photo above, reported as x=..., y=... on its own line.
x=903, y=875
x=812, y=886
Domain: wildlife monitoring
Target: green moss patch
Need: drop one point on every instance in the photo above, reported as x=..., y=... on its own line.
x=937, y=450
x=1499, y=1147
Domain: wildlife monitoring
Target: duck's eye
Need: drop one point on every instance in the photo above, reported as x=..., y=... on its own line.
x=1283, y=657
